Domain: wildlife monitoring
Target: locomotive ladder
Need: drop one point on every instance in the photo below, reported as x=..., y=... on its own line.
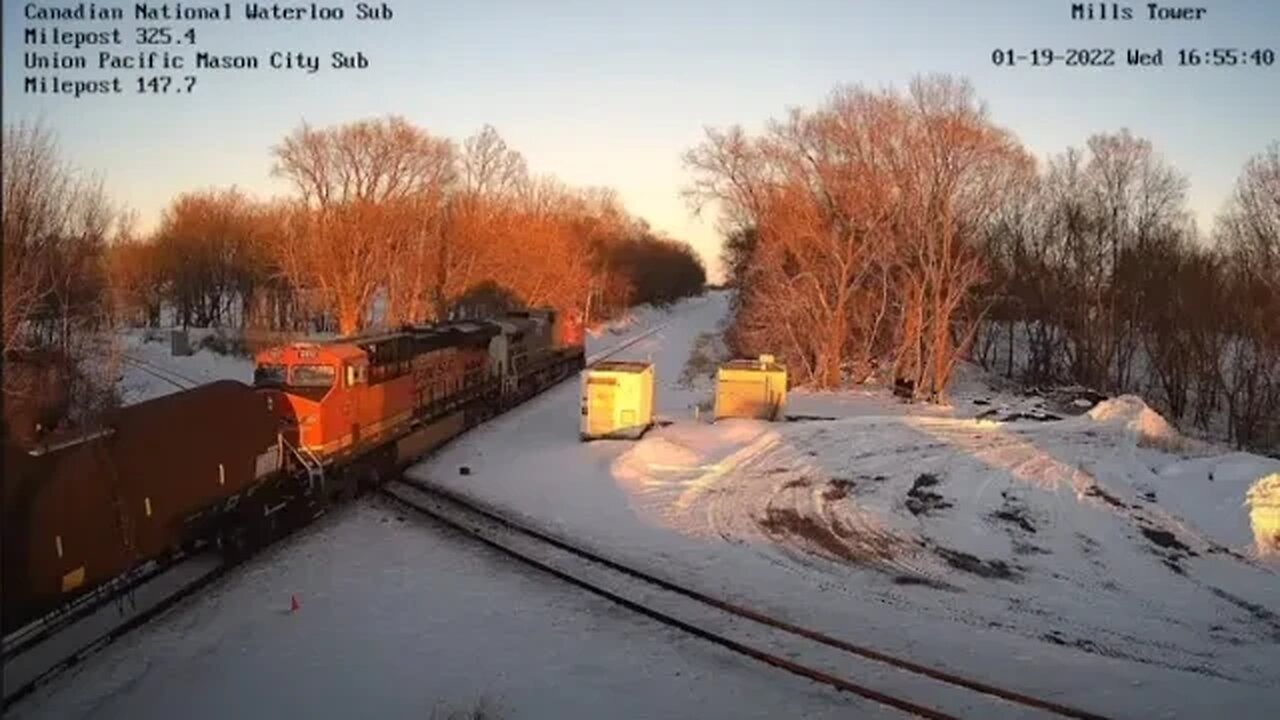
x=309, y=461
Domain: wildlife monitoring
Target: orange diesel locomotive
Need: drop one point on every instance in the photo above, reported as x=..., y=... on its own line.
x=351, y=394
x=345, y=397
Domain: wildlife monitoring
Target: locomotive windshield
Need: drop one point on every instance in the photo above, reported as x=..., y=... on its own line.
x=269, y=376
x=313, y=376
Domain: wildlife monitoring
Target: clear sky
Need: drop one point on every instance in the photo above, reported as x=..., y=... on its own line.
x=598, y=92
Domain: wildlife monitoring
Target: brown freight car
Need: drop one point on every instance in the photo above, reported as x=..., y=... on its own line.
x=91, y=508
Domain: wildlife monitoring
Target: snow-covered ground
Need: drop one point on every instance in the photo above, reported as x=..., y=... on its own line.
x=1097, y=559
x=148, y=369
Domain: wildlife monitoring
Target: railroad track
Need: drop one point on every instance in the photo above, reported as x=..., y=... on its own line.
x=27, y=637
x=594, y=358
x=178, y=380
x=901, y=684
x=42, y=677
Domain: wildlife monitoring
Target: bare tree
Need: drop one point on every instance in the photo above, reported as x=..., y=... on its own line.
x=1107, y=206
x=957, y=170
x=866, y=215
x=1249, y=234
x=489, y=167
x=211, y=247
x=56, y=226
x=803, y=190
x=363, y=190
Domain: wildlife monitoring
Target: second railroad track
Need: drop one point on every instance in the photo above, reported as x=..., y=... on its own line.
x=889, y=680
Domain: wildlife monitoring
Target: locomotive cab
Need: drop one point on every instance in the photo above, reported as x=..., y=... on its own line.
x=311, y=389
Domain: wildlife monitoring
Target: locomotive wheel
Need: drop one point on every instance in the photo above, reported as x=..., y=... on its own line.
x=342, y=488
x=234, y=542
x=366, y=477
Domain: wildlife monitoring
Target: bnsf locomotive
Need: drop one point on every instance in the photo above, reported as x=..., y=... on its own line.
x=234, y=466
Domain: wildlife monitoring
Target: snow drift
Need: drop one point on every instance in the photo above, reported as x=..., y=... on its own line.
x=1146, y=426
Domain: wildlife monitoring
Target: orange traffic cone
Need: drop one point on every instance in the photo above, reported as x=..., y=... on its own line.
x=294, y=605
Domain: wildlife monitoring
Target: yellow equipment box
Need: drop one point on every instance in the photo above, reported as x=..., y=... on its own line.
x=1264, y=514
x=751, y=389
x=617, y=400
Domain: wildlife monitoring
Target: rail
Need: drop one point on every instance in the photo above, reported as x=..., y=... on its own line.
x=106, y=638
x=182, y=382
x=468, y=506
x=602, y=355
x=44, y=627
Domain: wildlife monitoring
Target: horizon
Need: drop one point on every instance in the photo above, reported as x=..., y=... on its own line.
x=613, y=96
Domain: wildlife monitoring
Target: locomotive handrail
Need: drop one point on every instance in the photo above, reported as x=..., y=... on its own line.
x=310, y=462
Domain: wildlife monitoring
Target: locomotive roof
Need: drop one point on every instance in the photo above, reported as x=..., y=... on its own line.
x=443, y=333
x=426, y=336
x=521, y=323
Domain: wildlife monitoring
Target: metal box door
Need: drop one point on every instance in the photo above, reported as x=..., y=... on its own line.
x=600, y=409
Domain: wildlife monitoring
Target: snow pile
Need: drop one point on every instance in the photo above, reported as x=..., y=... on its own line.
x=1264, y=514
x=648, y=460
x=1146, y=426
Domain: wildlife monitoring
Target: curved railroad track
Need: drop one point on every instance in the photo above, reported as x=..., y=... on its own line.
x=827, y=660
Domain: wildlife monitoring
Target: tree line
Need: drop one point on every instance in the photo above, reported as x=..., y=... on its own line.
x=389, y=224
x=385, y=224
x=888, y=235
